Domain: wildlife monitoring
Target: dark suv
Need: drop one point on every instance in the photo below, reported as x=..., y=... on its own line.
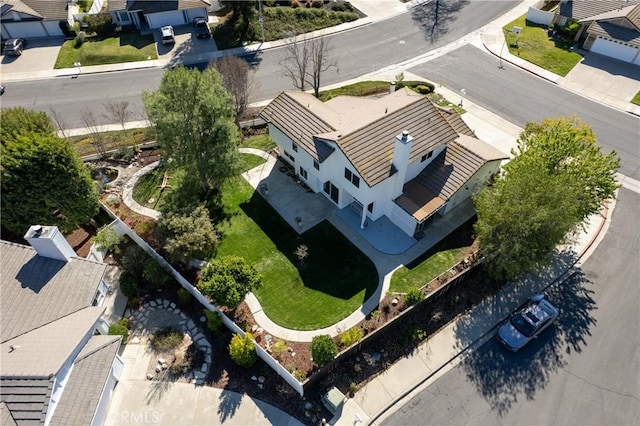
x=202, y=27
x=14, y=46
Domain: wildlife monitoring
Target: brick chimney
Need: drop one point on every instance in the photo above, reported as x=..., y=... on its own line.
x=49, y=242
x=401, y=151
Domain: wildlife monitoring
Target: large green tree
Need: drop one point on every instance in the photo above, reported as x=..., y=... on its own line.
x=558, y=177
x=42, y=179
x=188, y=235
x=194, y=119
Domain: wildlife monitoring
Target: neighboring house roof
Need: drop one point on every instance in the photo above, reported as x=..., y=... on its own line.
x=90, y=373
x=26, y=400
x=17, y=6
x=631, y=12
x=582, y=9
x=607, y=30
x=6, y=419
x=363, y=128
x=155, y=6
x=445, y=175
x=37, y=290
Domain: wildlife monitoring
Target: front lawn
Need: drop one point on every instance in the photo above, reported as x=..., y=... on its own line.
x=451, y=250
x=636, y=99
x=126, y=47
x=534, y=45
x=333, y=282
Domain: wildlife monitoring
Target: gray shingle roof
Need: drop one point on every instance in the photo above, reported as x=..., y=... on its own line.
x=37, y=290
x=608, y=30
x=17, y=6
x=6, y=419
x=81, y=395
x=363, y=128
x=27, y=399
x=155, y=6
x=49, y=9
x=584, y=9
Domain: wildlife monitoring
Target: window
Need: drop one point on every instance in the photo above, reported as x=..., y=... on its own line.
x=289, y=156
x=370, y=207
x=303, y=172
x=123, y=16
x=351, y=177
x=427, y=155
x=316, y=165
x=294, y=146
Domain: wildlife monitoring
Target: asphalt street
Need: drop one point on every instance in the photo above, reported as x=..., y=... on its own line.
x=359, y=51
x=583, y=370
x=520, y=97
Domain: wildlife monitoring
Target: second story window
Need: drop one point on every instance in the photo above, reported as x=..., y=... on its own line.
x=426, y=156
x=351, y=177
x=294, y=146
x=316, y=165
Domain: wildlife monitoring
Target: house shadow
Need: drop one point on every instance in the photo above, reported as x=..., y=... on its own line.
x=500, y=376
x=436, y=17
x=38, y=272
x=611, y=65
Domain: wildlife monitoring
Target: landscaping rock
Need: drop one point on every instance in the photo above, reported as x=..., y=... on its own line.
x=135, y=340
x=376, y=356
x=172, y=305
x=165, y=303
x=203, y=319
x=254, y=378
x=161, y=361
x=158, y=368
x=261, y=379
x=149, y=376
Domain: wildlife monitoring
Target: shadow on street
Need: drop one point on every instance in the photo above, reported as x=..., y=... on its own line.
x=436, y=17
x=501, y=376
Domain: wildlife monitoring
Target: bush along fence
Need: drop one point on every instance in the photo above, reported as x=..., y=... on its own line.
x=412, y=314
x=122, y=228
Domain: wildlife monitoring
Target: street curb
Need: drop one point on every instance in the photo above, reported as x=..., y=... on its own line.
x=514, y=64
x=483, y=338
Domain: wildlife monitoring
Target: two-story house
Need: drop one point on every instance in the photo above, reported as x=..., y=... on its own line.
x=398, y=155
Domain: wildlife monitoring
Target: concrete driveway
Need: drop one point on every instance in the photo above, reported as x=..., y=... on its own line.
x=603, y=78
x=187, y=44
x=40, y=54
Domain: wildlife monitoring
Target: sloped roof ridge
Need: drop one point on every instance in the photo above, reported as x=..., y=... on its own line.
x=108, y=340
x=612, y=14
x=391, y=114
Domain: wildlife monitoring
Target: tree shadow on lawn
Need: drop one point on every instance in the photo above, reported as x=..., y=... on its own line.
x=501, y=376
x=435, y=17
x=335, y=266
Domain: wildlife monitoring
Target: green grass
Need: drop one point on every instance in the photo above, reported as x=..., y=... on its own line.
x=85, y=5
x=636, y=99
x=148, y=187
x=263, y=142
x=535, y=46
x=439, y=259
x=249, y=161
x=362, y=88
x=279, y=23
x=336, y=277
x=127, y=47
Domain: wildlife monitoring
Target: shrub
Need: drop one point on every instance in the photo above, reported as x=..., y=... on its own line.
x=351, y=336
x=107, y=239
x=156, y=275
x=414, y=296
x=413, y=85
x=99, y=23
x=295, y=4
x=79, y=39
x=188, y=235
x=184, y=297
x=317, y=3
x=144, y=228
x=179, y=366
x=214, y=321
x=166, y=338
x=323, y=349
x=227, y=280
x=242, y=351
x=279, y=347
x=194, y=356
x=341, y=6
x=422, y=89
x=125, y=154
x=125, y=321
x=128, y=285
x=118, y=329
x=134, y=260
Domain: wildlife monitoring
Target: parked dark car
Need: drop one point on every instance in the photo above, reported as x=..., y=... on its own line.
x=14, y=46
x=202, y=27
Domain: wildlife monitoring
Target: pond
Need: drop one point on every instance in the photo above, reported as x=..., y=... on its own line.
x=104, y=174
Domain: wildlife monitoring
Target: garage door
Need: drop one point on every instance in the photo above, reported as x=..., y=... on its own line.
x=195, y=13
x=24, y=29
x=160, y=19
x=614, y=50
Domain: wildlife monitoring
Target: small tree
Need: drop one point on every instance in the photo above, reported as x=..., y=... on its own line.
x=242, y=350
x=557, y=179
x=92, y=123
x=107, y=240
x=188, y=236
x=128, y=285
x=228, y=280
x=323, y=349
x=237, y=78
x=119, y=329
x=99, y=23
x=306, y=60
x=214, y=321
x=413, y=296
x=118, y=112
x=302, y=252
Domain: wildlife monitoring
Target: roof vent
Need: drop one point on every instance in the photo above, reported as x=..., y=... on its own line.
x=37, y=230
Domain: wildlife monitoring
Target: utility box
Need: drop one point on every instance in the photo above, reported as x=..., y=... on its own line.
x=333, y=399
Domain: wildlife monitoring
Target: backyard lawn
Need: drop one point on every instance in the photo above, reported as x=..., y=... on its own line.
x=127, y=47
x=434, y=262
x=335, y=279
x=535, y=46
